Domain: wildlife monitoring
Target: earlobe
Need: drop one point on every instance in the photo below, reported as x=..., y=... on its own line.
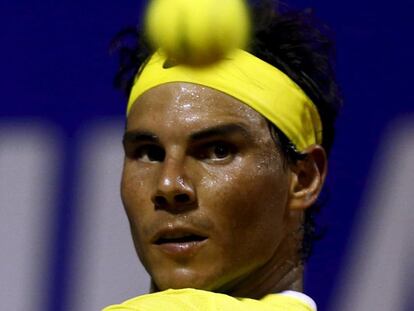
x=307, y=178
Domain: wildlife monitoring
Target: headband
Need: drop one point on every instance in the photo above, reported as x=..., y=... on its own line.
x=249, y=79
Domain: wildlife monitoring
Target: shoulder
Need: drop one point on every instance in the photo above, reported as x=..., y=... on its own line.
x=192, y=300
x=291, y=301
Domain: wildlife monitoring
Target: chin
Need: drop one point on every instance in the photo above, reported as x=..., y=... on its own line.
x=182, y=278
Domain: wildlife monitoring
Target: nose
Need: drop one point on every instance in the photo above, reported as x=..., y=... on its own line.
x=175, y=191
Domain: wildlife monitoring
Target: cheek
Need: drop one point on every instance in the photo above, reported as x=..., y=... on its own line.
x=129, y=185
x=136, y=193
x=136, y=182
x=248, y=200
x=136, y=198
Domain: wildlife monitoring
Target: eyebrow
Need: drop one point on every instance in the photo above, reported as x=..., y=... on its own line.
x=139, y=136
x=221, y=130
x=135, y=136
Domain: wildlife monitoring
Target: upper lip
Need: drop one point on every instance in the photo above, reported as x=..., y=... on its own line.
x=177, y=232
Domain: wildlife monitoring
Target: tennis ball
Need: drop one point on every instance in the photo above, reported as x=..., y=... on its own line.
x=197, y=32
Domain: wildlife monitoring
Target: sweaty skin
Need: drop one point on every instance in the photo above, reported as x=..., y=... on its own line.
x=199, y=162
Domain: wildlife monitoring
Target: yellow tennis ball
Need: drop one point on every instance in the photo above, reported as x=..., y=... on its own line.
x=197, y=31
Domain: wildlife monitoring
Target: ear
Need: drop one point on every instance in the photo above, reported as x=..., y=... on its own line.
x=308, y=177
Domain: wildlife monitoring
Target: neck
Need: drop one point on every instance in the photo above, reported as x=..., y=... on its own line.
x=284, y=271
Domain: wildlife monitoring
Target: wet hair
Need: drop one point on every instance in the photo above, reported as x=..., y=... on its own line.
x=294, y=42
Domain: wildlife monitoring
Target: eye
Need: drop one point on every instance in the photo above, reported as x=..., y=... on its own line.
x=217, y=151
x=220, y=151
x=149, y=153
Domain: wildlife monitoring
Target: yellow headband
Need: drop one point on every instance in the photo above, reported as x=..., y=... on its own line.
x=249, y=79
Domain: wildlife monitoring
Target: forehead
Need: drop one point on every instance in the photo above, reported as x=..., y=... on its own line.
x=190, y=105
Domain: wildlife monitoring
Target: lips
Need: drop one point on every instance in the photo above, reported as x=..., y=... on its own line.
x=179, y=242
x=179, y=238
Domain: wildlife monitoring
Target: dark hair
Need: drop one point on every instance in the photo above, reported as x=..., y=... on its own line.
x=296, y=44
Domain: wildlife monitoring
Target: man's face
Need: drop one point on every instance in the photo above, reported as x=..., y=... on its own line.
x=204, y=187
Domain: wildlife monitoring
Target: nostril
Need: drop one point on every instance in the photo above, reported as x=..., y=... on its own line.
x=181, y=198
x=159, y=200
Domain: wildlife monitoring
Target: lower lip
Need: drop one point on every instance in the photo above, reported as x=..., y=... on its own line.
x=183, y=250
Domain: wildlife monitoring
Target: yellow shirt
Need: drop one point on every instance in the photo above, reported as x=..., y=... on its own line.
x=192, y=299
